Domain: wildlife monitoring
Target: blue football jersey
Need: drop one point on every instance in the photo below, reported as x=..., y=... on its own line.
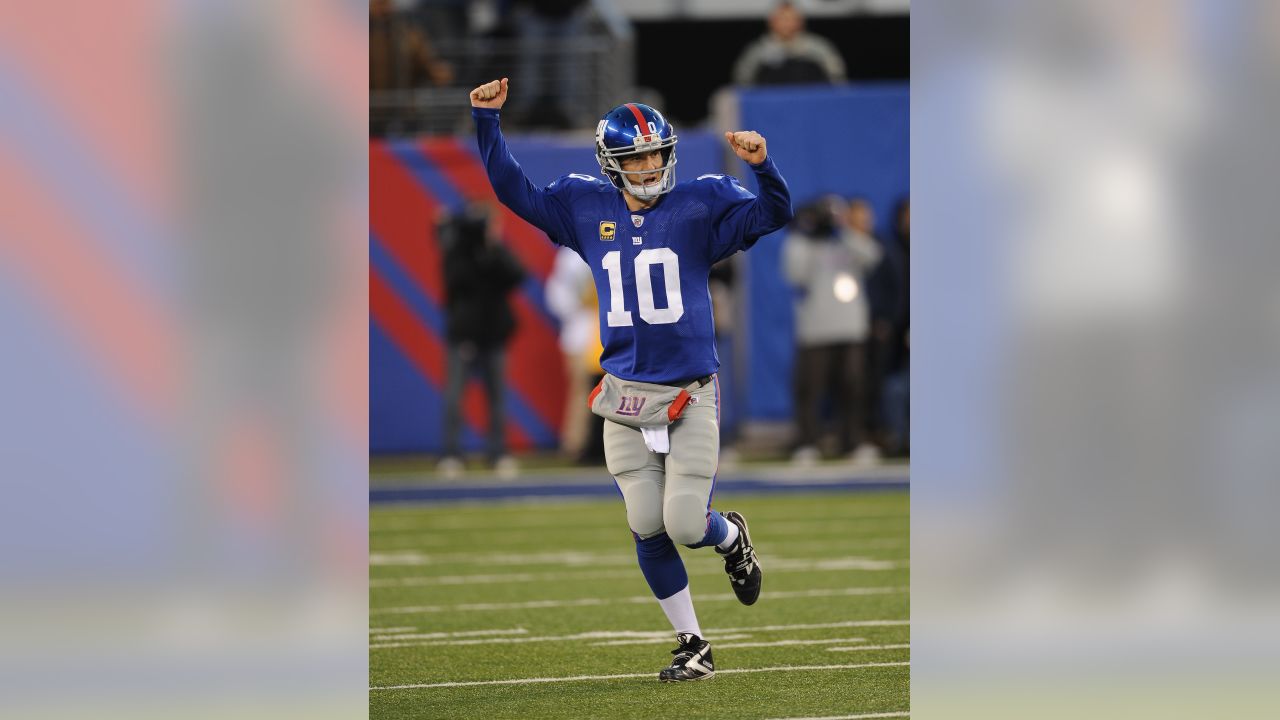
x=651, y=267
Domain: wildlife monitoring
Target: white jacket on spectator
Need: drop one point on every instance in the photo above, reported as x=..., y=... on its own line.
x=570, y=278
x=830, y=272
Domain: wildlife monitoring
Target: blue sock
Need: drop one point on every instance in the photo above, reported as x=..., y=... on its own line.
x=717, y=530
x=661, y=565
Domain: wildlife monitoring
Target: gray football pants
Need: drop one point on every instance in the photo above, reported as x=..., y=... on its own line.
x=669, y=493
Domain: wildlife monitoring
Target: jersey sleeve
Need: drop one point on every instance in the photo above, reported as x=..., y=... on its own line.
x=545, y=208
x=740, y=218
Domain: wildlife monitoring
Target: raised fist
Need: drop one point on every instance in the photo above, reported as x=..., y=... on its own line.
x=748, y=145
x=490, y=95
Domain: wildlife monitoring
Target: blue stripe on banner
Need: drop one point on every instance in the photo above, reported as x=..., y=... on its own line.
x=405, y=287
x=518, y=408
x=57, y=155
x=534, y=291
x=427, y=174
x=406, y=411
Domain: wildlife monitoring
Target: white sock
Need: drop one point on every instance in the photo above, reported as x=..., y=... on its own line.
x=679, y=610
x=730, y=538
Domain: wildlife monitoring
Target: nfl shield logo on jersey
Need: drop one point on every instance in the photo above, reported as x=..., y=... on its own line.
x=637, y=220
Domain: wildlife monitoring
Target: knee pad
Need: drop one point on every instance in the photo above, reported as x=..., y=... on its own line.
x=644, y=513
x=686, y=522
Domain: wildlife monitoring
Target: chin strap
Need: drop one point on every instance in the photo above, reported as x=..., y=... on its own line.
x=657, y=187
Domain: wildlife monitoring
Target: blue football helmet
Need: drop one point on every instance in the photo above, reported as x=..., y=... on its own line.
x=632, y=129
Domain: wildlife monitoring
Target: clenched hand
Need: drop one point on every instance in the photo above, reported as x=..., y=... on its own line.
x=748, y=145
x=490, y=95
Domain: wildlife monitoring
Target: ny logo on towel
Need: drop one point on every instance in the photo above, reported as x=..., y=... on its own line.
x=630, y=405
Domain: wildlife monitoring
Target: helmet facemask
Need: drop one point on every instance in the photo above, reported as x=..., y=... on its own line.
x=610, y=160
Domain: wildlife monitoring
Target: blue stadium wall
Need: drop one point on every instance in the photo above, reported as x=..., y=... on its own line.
x=853, y=141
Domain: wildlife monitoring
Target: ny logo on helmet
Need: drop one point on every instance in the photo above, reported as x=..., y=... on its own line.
x=630, y=405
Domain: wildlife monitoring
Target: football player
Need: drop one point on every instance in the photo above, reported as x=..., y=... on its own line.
x=650, y=243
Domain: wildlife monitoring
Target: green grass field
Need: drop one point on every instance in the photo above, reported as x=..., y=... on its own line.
x=521, y=596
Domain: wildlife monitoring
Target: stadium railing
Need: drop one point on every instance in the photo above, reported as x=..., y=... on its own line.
x=600, y=60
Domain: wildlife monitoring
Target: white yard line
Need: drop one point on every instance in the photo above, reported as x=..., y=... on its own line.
x=716, y=641
x=530, y=605
x=904, y=646
x=852, y=563
x=492, y=578
x=590, y=635
x=580, y=559
x=665, y=637
x=634, y=599
x=812, y=626
x=851, y=545
x=855, y=562
x=862, y=716
x=612, y=637
x=821, y=592
x=580, y=678
x=784, y=643
x=438, y=635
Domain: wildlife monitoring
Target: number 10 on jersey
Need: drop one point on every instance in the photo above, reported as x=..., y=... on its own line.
x=618, y=315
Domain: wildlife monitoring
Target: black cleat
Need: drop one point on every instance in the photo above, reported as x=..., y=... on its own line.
x=741, y=563
x=692, y=660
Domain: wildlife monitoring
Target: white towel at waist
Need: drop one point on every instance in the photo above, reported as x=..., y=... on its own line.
x=656, y=439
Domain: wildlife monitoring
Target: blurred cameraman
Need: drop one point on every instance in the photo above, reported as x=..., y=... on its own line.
x=827, y=258
x=479, y=274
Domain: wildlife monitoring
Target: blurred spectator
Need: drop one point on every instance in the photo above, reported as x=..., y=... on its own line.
x=479, y=273
x=724, y=311
x=895, y=403
x=788, y=55
x=446, y=19
x=886, y=294
x=571, y=295
x=401, y=56
x=547, y=74
x=593, y=448
x=827, y=259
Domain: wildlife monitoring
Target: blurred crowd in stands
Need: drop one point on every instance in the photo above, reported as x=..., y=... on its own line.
x=787, y=55
x=567, y=59
x=419, y=47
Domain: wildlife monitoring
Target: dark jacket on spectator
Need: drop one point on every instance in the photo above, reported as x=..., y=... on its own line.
x=479, y=274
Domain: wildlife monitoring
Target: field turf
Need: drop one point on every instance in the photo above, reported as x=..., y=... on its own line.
x=483, y=611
